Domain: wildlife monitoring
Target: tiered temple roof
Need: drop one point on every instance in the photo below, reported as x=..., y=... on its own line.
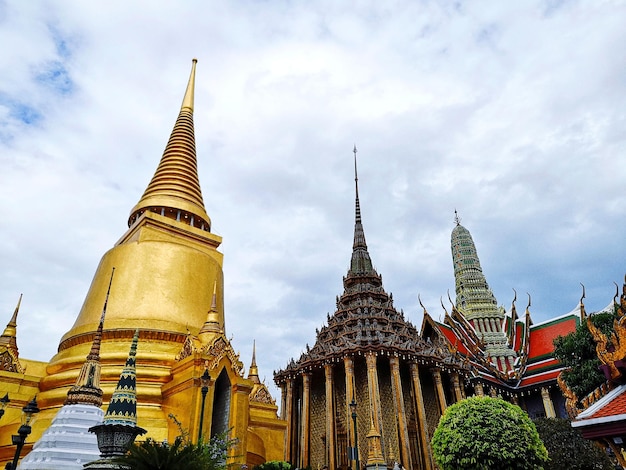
x=366, y=320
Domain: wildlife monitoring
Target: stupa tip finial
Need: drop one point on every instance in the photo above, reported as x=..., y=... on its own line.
x=189, y=93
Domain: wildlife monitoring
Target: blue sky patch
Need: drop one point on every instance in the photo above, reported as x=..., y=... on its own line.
x=54, y=75
x=19, y=110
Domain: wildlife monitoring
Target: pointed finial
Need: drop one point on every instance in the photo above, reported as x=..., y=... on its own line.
x=212, y=324
x=254, y=371
x=583, y=314
x=188, y=99
x=8, y=342
x=10, y=329
x=457, y=219
x=356, y=177
x=106, y=299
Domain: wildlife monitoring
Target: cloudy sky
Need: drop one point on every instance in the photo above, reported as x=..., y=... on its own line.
x=512, y=113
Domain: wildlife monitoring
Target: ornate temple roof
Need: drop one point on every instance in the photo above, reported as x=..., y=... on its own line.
x=503, y=348
x=175, y=189
x=365, y=319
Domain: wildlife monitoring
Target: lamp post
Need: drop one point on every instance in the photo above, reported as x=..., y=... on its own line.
x=4, y=401
x=356, y=439
x=205, y=379
x=19, y=439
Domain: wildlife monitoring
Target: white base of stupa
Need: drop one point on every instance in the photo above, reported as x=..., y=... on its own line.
x=67, y=443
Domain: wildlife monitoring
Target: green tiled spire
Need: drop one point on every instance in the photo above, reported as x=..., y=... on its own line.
x=475, y=300
x=473, y=296
x=123, y=406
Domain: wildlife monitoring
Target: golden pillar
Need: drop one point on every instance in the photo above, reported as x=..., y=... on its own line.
x=374, y=396
x=421, y=416
x=439, y=387
x=350, y=394
x=306, y=420
x=240, y=419
x=548, y=406
x=330, y=418
x=396, y=388
x=288, y=416
x=456, y=384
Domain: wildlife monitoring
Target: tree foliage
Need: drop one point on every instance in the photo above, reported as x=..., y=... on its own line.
x=482, y=433
x=274, y=465
x=577, y=352
x=181, y=455
x=567, y=449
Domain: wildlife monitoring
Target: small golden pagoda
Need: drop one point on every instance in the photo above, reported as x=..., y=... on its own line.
x=168, y=284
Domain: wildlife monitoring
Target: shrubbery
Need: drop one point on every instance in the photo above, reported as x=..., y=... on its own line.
x=482, y=433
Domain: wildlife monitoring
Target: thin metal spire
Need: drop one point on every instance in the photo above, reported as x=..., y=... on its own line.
x=361, y=261
x=457, y=219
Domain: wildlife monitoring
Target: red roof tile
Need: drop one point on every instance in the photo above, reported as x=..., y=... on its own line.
x=539, y=378
x=542, y=336
x=617, y=406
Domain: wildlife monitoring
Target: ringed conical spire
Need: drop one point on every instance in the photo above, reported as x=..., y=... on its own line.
x=360, y=262
x=253, y=374
x=174, y=190
x=87, y=389
x=9, y=336
x=473, y=296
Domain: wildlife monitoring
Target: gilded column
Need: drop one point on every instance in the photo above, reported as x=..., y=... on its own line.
x=306, y=420
x=396, y=388
x=330, y=419
x=241, y=417
x=439, y=387
x=288, y=416
x=421, y=416
x=547, y=403
x=349, y=367
x=374, y=393
x=457, y=386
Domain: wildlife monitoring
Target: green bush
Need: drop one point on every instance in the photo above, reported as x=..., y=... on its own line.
x=181, y=455
x=482, y=433
x=274, y=465
x=567, y=448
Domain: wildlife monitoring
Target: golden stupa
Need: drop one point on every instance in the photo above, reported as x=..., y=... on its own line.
x=168, y=283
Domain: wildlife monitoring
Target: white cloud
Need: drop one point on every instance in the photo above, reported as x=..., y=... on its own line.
x=510, y=113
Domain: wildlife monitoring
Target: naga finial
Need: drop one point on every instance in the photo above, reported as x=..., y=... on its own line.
x=419, y=299
x=442, y=305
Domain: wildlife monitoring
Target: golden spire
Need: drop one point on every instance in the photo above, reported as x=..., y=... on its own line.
x=10, y=331
x=254, y=370
x=8, y=343
x=175, y=191
x=212, y=324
